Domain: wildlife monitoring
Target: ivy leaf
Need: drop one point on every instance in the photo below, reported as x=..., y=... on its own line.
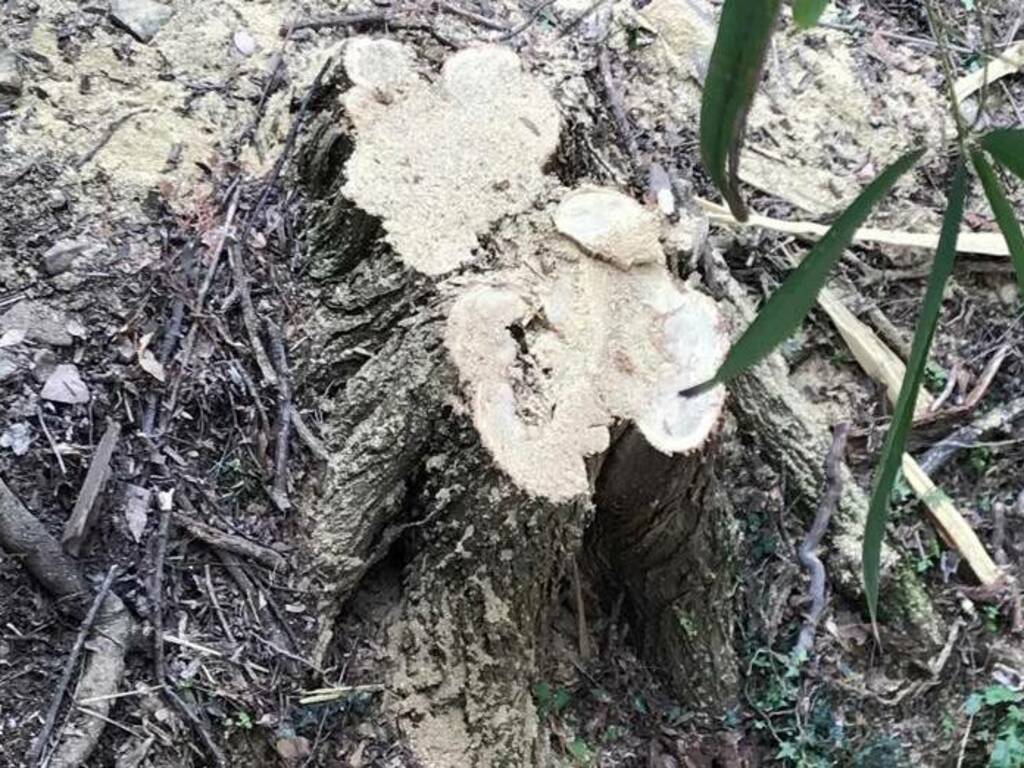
x=807, y=12
x=896, y=438
x=789, y=305
x=744, y=31
x=1005, y=217
x=1007, y=147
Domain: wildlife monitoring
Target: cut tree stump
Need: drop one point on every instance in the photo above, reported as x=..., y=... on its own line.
x=485, y=331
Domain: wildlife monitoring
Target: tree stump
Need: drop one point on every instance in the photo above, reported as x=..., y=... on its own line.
x=482, y=332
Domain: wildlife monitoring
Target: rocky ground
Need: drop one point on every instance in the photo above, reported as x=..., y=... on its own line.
x=162, y=387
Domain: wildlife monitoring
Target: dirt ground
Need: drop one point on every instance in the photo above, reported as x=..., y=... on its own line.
x=125, y=164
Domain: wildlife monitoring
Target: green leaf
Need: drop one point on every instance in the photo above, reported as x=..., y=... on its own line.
x=807, y=12
x=744, y=31
x=1007, y=147
x=789, y=305
x=1005, y=217
x=895, y=440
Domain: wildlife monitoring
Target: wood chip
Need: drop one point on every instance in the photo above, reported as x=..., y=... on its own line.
x=84, y=514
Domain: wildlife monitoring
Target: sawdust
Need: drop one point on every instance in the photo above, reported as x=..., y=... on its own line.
x=489, y=129
x=186, y=96
x=821, y=127
x=595, y=343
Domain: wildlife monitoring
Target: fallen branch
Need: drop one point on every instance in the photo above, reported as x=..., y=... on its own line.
x=98, y=685
x=24, y=536
x=77, y=528
x=987, y=243
x=807, y=552
x=226, y=541
x=968, y=435
x=279, y=490
x=42, y=740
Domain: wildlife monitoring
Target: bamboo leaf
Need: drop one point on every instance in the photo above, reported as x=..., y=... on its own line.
x=744, y=31
x=807, y=12
x=1007, y=147
x=896, y=438
x=789, y=305
x=1005, y=217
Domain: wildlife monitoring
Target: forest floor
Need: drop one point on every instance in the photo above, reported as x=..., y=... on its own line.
x=130, y=164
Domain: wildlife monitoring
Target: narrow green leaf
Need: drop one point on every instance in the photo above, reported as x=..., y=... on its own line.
x=789, y=305
x=1007, y=147
x=1005, y=217
x=896, y=438
x=807, y=12
x=744, y=30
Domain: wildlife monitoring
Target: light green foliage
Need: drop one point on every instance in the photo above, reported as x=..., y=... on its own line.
x=1007, y=733
x=1007, y=147
x=744, y=33
x=789, y=305
x=807, y=12
x=1005, y=217
x=896, y=437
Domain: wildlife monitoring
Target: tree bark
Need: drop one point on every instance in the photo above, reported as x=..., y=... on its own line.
x=482, y=561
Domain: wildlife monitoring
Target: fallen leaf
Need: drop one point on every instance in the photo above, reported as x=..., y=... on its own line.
x=137, y=501
x=65, y=385
x=151, y=365
x=17, y=437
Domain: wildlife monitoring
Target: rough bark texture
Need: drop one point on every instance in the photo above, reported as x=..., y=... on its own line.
x=481, y=559
x=663, y=534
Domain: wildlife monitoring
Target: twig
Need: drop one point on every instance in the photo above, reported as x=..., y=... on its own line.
x=50, y=440
x=226, y=541
x=581, y=613
x=966, y=436
x=342, y=20
x=279, y=490
x=212, y=593
x=77, y=527
x=306, y=434
x=22, y=535
x=986, y=243
x=42, y=740
x=530, y=19
x=108, y=134
x=619, y=116
x=807, y=553
x=249, y=317
x=200, y=302
x=474, y=17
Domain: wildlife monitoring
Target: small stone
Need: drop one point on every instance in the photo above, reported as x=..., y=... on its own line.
x=57, y=200
x=10, y=77
x=1009, y=294
x=143, y=18
x=39, y=322
x=61, y=256
x=17, y=437
x=65, y=385
x=244, y=42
